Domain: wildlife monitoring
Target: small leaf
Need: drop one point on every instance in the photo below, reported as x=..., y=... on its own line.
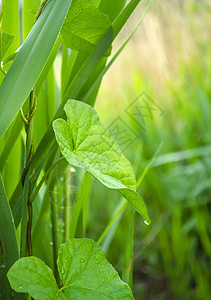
x=6, y=40
x=86, y=144
x=31, y=275
x=86, y=273
x=84, y=26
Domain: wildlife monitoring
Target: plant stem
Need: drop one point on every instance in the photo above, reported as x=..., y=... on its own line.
x=54, y=232
x=4, y=72
x=31, y=199
x=40, y=10
x=124, y=204
x=67, y=205
x=26, y=207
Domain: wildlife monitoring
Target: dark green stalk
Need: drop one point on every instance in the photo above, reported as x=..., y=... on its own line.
x=26, y=207
x=54, y=232
x=40, y=10
x=67, y=205
x=45, y=176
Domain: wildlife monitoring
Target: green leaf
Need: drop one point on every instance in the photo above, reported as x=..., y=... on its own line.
x=30, y=60
x=84, y=26
x=86, y=273
x=5, y=42
x=31, y=275
x=86, y=144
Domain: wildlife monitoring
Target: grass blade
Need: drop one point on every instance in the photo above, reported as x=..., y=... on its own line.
x=8, y=244
x=30, y=60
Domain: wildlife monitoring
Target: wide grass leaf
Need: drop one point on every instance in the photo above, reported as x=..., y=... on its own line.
x=85, y=143
x=30, y=60
x=31, y=275
x=86, y=273
x=84, y=26
x=8, y=244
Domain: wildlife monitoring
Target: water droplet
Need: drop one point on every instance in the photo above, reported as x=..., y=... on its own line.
x=73, y=170
x=62, y=270
x=20, y=287
x=51, y=243
x=82, y=260
x=62, y=207
x=146, y=222
x=101, y=271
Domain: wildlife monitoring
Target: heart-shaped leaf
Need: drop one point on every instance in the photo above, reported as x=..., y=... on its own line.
x=85, y=143
x=84, y=26
x=84, y=271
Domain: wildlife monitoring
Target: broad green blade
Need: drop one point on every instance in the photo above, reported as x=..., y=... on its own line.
x=8, y=244
x=86, y=144
x=30, y=61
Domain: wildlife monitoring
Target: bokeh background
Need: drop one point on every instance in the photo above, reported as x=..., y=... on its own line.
x=156, y=99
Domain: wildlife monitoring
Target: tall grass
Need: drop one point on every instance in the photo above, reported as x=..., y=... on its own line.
x=172, y=66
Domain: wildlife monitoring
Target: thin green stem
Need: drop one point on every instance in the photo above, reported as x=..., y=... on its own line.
x=40, y=10
x=67, y=205
x=26, y=209
x=54, y=232
x=124, y=204
x=45, y=176
x=4, y=72
x=148, y=166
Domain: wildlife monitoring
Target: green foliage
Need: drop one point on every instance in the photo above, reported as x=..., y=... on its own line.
x=31, y=275
x=5, y=42
x=8, y=243
x=17, y=84
x=86, y=144
x=84, y=26
x=31, y=99
x=83, y=269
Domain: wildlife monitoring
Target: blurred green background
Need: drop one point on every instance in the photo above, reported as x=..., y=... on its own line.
x=158, y=94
